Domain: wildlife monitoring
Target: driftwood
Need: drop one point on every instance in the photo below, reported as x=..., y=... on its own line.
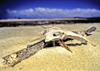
x=16, y=57
x=88, y=32
x=12, y=59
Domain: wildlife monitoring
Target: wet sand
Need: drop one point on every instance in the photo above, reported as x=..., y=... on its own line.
x=83, y=58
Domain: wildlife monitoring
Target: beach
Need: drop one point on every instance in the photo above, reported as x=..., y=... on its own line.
x=82, y=58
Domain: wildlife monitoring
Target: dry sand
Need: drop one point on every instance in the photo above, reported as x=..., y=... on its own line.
x=83, y=58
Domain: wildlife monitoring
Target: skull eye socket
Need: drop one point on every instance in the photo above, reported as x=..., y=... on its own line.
x=55, y=34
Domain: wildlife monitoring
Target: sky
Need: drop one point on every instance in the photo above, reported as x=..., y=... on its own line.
x=49, y=8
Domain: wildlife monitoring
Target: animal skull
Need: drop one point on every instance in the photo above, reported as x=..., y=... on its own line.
x=55, y=34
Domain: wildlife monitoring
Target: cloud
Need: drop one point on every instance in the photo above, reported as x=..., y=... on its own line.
x=53, y=13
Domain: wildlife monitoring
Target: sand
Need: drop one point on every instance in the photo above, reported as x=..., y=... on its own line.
x=83, y=58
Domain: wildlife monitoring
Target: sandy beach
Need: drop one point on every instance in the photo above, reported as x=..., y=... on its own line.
x=83, y=58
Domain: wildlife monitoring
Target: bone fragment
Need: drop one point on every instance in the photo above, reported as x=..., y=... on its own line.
x=64, y=45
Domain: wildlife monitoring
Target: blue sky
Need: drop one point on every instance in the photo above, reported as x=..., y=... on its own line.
x=49, y=8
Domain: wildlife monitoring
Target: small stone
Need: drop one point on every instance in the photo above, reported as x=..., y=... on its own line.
x=20, y=68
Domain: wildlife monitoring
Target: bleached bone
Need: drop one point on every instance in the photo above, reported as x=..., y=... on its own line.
x=54, y=34
x=47, y=30
x=78, y=37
